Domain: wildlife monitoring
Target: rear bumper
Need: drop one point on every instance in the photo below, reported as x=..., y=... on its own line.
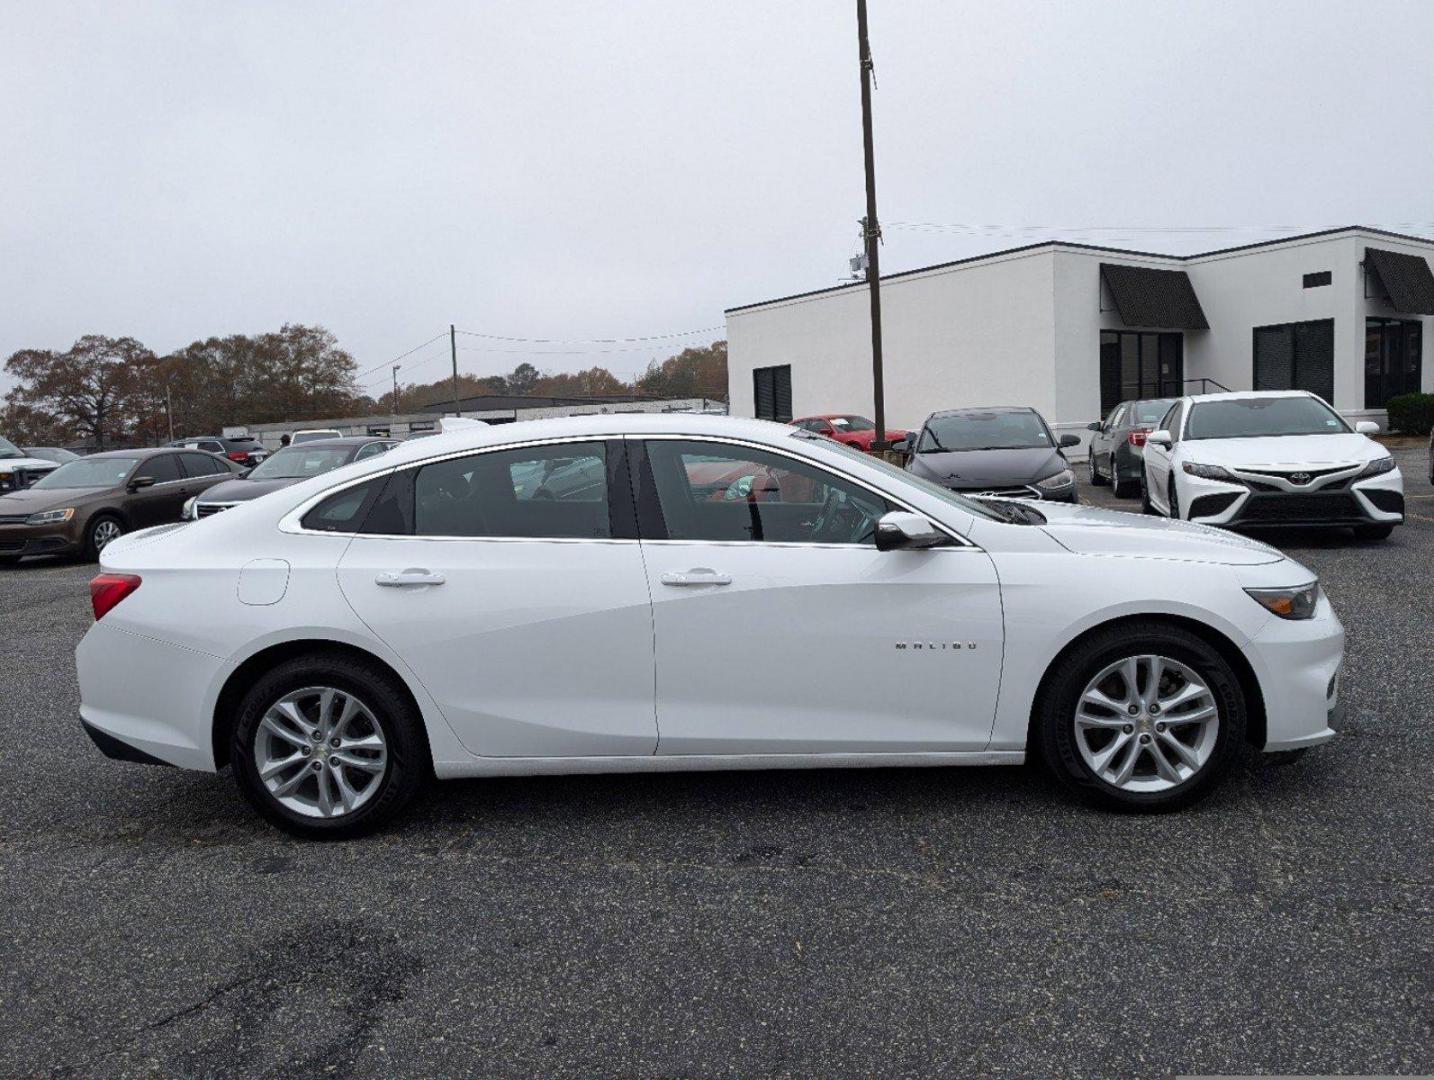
x=117, y=749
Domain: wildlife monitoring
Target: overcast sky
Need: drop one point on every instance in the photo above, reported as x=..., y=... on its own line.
x=584, y=170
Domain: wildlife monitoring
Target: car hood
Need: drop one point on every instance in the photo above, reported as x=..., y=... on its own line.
x=234, y=491
x=32, y=500
x=1090, y=530
x=1284, y=451
x=6, y=464
x=973, y=468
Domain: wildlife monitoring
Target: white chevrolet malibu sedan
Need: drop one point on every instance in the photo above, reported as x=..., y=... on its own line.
x=648, y=593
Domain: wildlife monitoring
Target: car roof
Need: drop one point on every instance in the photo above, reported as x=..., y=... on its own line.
x=348, y=440
x=140, y=452
x=983, y=409
x=1242, y=395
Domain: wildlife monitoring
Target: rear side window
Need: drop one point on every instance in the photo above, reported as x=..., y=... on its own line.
x=345, y=511
x=539, y=492
x=202, y=465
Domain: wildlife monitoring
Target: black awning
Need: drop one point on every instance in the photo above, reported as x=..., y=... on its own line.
x=1405, y=278
x=1145, y=296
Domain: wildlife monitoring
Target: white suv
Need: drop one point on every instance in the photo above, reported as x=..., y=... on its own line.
x=18, y=469
x=1270, y=458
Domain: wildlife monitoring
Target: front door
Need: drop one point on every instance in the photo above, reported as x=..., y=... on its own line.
x=162, y=501
x=512, y=592
x=781, y=629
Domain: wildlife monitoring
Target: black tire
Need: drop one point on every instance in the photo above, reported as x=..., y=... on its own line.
x=409, y=761
x=1172, y=501
x=1373, y=532
x=9, y=560
x=1096, y=480
x=1146, y=506
x=92, y=543
x=1122, y=489
x=1053, y=725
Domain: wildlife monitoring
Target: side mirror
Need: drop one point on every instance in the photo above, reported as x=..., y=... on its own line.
x=903, y=531
x=1366, y=427
x=1160, y=438
x=1070, y=440
x=1096, y=426
x=139, y=482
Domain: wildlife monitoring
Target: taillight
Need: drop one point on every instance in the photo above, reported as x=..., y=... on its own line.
x=107, y=590
x=1137, y=437
x=237, y=455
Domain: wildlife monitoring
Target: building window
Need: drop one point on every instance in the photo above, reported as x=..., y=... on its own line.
x=1392, y=362
x=1296, y=356
x=772, y=392
x=1136, y=366
x=1323, y=277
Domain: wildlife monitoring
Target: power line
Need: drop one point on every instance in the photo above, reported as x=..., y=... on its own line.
x=595, y=341
x=1011, y=230
x=400, y=356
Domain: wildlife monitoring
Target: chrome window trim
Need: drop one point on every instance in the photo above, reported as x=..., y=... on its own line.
x=291, y=521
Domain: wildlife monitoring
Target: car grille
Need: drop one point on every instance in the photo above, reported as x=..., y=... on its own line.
x=1314, y=509
x=1312, y=484
x=13, y=519
x=210, y=509
x=12, y=545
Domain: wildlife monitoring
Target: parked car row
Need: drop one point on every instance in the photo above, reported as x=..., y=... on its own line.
x=1240, y=460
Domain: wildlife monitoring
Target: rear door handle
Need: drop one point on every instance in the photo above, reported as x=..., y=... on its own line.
x=400, y=579
x=698, y=576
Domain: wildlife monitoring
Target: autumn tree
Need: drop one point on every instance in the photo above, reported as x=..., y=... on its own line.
x=693, y=373
x=94, y=389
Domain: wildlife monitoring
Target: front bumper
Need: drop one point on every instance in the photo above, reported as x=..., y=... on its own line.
x=1251, y=503
x=18, y=540
x=1297, y=662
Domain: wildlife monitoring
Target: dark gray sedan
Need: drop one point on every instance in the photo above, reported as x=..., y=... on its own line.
x=1117, y=445
x=1008, y=452
x=285, y=467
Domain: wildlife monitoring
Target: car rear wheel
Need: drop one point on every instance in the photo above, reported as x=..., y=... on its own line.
x=1120, y=487
x=328, y=747
x=1172, y=500
x=1144, y=716
x=1146, y=506
x=102, y=531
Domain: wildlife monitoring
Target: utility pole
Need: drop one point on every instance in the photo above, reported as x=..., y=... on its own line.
x=395, y=388
x=169, y=411
x=453, y=348
x=871, y=229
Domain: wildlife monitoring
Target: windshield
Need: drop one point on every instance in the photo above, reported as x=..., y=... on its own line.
x=1149, y=412
x=298, y=463
x=961, y=502
x=88, y=473
x=1248, y=418
x=983, y=431
x=852, y=423
x=9, y=449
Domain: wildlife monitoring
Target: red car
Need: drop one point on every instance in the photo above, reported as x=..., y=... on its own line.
x=855, y=431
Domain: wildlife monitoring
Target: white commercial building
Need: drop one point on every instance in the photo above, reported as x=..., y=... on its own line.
x=1073, y=329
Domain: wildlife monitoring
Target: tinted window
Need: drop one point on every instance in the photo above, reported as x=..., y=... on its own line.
x=709, y=491
x=163, y=467
x=202, y=465
x=1242, y=418
x=541, y=492
x=344, y=512
x=370, y=450
x=1018, y=429
x=1147, y=413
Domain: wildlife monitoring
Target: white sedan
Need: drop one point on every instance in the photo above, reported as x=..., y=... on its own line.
x=713, y=594
x=1270, y=458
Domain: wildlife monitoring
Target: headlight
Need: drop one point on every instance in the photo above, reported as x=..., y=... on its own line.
x=1378, y=467
x=1208, y=472
x=191, y=509
x=1296, y=603
x=1064, y=478
x=51, y=517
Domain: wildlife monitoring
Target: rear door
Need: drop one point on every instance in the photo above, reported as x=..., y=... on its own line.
x=522, y=606
x=203, y=471
x=781, y=629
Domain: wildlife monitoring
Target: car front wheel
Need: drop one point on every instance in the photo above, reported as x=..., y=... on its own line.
x=1143, y=716
x=328, y=747
x=102, y=531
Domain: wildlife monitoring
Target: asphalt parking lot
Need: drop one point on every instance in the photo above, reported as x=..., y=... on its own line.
x=917, y=922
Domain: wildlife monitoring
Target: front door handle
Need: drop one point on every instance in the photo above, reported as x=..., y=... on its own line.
x=700, y=575
x=399, y=579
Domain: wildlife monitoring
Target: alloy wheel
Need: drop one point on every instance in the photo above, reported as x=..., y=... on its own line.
x=320, y=752
x=1146, y=724
x=104, y=533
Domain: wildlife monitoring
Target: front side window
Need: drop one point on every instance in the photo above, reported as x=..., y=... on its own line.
x=852, y=423
x=711, y=491
x=162, y=468
x=1247, y=418
x=978, y=429
x=537, y=492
